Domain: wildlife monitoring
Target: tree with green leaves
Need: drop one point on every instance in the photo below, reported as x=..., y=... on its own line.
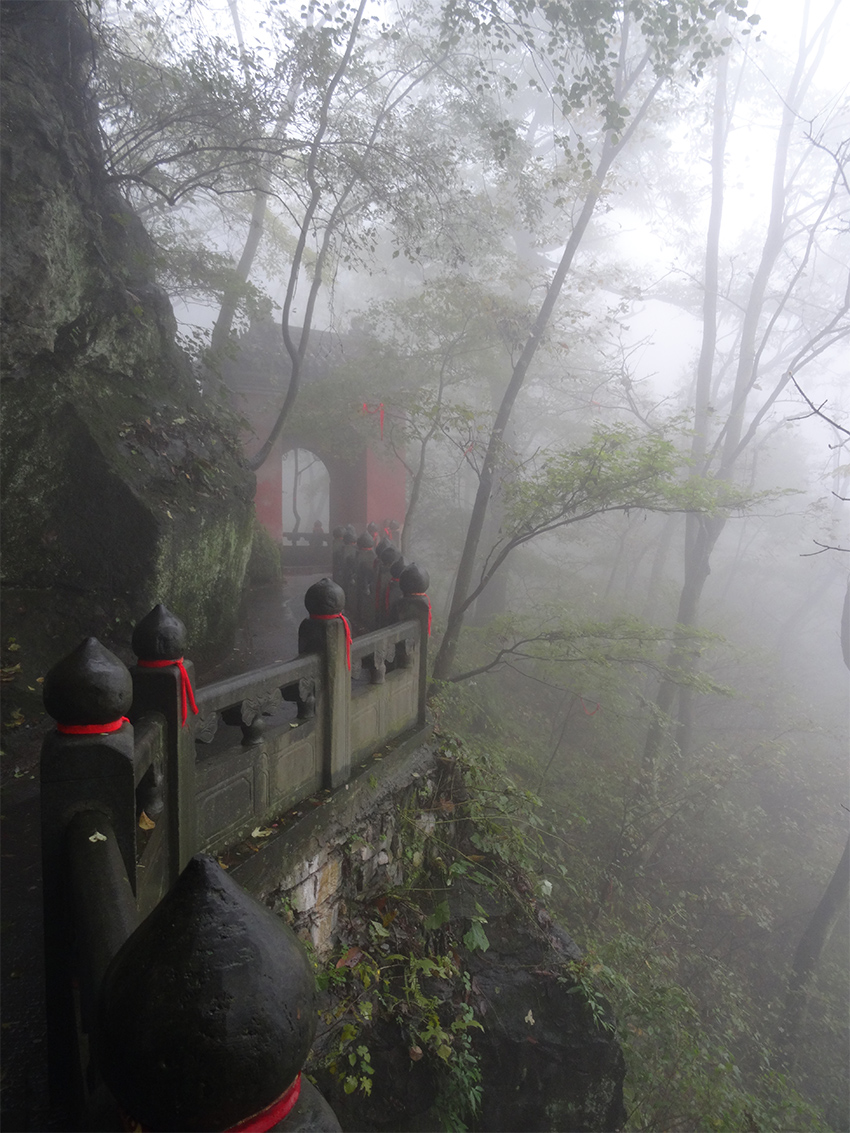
x=604, y=68
x=330, y=122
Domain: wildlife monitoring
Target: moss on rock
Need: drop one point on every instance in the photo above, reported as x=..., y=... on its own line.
x=122, y=484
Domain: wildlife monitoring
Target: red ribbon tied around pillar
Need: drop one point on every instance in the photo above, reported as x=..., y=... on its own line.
x=379, y=411
x=261, y=1122
x=187, y=696
x=257, y=1123
x=428, y=600
x=329, y=617
x=92, y=729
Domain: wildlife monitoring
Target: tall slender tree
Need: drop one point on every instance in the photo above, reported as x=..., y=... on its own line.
x=616, y=62
x=766, y=351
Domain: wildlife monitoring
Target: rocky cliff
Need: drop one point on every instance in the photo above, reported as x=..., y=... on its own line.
x=450, y=998
x=121, y=486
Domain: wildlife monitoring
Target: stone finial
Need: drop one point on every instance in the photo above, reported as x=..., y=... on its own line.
x=338, y=531
x=324, y=597
x=397, y=566
x=89, y=686
x=207, y=1012
x=388, y=555
x=349, y=536
x=159, y=636
x=414, y=580
x=364, y=541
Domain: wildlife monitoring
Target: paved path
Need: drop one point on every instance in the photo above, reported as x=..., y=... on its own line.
x=269, y=622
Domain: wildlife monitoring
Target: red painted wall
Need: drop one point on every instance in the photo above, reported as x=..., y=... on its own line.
x=386, y=487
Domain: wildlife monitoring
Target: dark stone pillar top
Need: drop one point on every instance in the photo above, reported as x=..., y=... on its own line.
x=89, y=686
x=207, y=1012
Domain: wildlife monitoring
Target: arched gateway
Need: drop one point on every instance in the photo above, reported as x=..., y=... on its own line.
x=367, y=480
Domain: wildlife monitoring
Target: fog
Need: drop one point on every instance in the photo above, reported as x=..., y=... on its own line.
x=604, y=297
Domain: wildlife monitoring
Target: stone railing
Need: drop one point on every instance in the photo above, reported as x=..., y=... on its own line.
x=143, y=770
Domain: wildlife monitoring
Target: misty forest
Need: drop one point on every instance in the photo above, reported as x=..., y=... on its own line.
x=592, y=261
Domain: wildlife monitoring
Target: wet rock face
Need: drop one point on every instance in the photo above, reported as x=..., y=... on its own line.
x=121, y=486
x=545, y=1064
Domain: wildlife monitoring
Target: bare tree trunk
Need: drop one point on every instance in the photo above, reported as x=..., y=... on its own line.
x=808, y=954
x=444, y=660
x=702, y=534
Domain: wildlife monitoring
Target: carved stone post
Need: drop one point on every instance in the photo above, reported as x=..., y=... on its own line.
x=327, y=633
x=363, y=606
x=386, y=559
x=207, y=1014
x=336, y=554
x=415, y=603
x=86, y=766
x=162, y=682
x=348, y=562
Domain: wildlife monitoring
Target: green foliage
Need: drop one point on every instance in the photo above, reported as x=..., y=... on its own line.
x=573, y=44
x=621, y=468
x=392, y=987
x=674, y=895
x=264, y=563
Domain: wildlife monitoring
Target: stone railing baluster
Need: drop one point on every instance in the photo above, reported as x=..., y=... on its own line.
x=87, y=765
x=162, y=682
x=327, y=632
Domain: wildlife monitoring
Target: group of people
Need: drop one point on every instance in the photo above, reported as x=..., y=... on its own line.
x=368, y=567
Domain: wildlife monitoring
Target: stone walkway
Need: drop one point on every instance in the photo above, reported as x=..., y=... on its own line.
x=269, y=622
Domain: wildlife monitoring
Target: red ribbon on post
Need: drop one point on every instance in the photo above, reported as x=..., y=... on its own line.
x=379, y=411
x=424, y=595
x=187, y=696
x=329, y=617
x=261, y=1122
x=92, y=729
x=257, y=1123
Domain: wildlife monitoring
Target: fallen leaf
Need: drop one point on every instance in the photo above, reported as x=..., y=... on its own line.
x=529, y=1018
x=146, y=823
x=97, y=837
x=415, y=1053
x=8, y=674
x=352, y=957
x=261, y=832
x=222, y=864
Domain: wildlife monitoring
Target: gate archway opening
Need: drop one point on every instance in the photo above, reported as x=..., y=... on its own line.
x=306, y=486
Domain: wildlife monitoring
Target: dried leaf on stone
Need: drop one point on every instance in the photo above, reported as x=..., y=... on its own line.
x=97, y=837
x=146, y=823
x=261, y=832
